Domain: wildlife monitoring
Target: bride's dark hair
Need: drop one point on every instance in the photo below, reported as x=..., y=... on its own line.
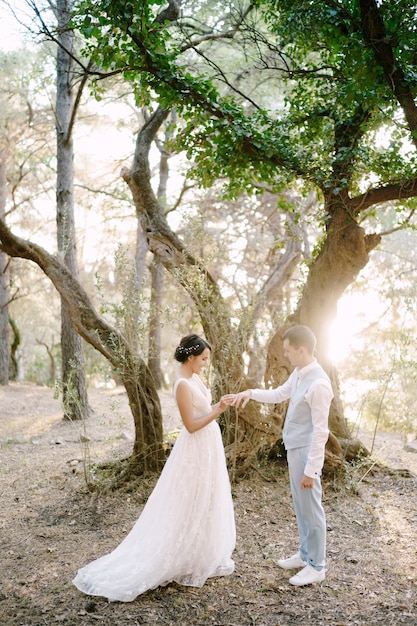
x=191, y=344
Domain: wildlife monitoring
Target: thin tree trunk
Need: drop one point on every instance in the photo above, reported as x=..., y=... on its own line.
x=52, y=367
x=158, y=272
x=154, y=359
x=14, y=367
x=4, y=289
x=74, y=384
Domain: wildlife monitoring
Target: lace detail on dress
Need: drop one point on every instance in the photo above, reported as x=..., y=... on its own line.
x=186, y=531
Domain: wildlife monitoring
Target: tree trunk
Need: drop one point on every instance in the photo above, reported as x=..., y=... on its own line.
x=52, y=367
x=74, y=386
x=14, y=368
x=157, y=270
x=344, y=253
x=4, y=320
x=187, y=270
x=148, y=454
x=145, y=405
x=4, y=289
x=154, y=359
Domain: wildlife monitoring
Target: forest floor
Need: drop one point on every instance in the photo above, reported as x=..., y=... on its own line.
x=51, y=524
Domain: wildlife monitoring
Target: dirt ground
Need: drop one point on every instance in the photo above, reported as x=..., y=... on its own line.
x=50, y=525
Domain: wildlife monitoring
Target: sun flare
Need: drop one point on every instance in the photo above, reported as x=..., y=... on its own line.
x=354, y=313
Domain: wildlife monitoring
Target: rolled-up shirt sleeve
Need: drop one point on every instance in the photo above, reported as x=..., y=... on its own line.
x=319, y=397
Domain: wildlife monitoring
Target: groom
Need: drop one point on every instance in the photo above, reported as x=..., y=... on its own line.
x=304, y=435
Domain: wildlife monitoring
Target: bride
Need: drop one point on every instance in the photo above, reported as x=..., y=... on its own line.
x=186, y=531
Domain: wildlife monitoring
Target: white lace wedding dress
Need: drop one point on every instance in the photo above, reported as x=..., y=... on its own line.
x=186, y=531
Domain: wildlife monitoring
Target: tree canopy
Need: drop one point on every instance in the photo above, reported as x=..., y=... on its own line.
x=331, y=75
x=318, y=94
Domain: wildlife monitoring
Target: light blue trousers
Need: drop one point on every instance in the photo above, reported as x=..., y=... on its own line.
x=311, y=519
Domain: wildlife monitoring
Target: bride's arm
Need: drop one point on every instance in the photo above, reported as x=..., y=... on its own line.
x=184, y=400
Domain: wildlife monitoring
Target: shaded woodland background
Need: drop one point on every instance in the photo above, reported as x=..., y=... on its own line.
x=229, y=169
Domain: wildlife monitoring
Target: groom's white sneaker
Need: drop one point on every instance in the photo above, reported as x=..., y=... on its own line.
x=293, y=562
x=308, y=576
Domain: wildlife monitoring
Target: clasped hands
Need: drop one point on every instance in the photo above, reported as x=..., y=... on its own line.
x=237, y=399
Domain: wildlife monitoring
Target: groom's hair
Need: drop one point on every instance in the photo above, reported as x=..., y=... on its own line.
x=301, y=336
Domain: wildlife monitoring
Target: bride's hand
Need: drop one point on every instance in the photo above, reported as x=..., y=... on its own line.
x=223, y=403
x=227, y=399
x=242, y=398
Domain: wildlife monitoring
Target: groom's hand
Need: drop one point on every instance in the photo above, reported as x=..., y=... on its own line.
x=307, y=482
x=237, y=399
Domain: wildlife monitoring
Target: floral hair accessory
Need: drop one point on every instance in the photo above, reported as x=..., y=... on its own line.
x=188, y=351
